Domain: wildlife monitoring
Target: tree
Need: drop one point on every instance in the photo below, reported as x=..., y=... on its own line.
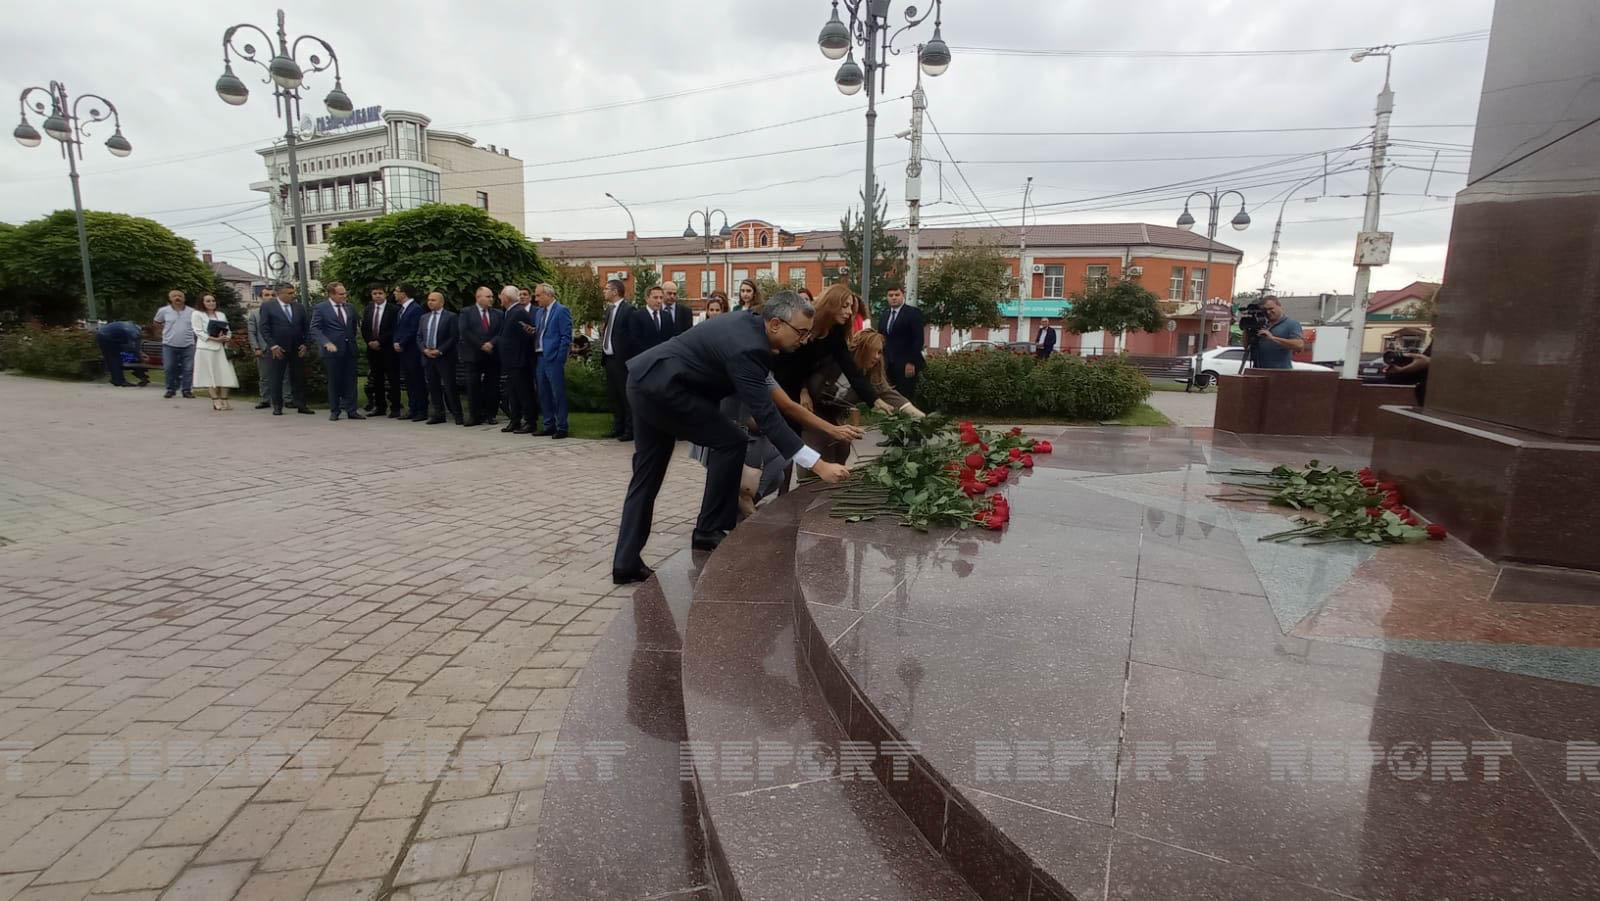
x=135, y=262
x=579, y=288
x=888, y=254
x=644, y=277
x=964, y=286
x=1120, y=306
x=452, y=249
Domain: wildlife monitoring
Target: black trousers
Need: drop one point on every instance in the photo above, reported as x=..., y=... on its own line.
x=617, y=390
x=341, y=369
x=383, y=379
x=901, y=382
x=483, y=387
x=416, y=383
x=440, y=373
x=520, y=405
x=658, y=424
x=297, y=379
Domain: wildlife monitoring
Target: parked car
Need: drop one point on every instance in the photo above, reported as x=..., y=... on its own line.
x=1024, y=348
x=1370, y=369
x=1225, y=361
x=981, y=345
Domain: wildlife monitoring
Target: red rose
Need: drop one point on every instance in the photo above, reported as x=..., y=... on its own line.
x=1392, y=497
x=972, y=488
x=1042, y=447
x=965, y=425
x=952, y=466
x=1436, y=532
x=970, y=438
x=996, y=477
x=1027, y=461
x=974, y=461
x=1000, y=503
x=1388, y=486
x=1016, y=453
x=1375, y=512
x=1368, y=482
x=1016, y=431
x=984, y=445
x=1408, y=518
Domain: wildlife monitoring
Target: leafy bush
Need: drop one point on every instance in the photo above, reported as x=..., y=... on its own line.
x=996, y=383
x=586, y=387
x=67, y=353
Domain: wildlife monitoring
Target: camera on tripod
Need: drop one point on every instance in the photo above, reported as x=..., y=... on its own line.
x=1396, y=358
x=1252, y=319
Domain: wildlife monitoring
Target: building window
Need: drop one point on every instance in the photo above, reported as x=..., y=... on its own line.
x=327, y=198
x=1197, y=284
x=766, y=239
x=363, y=195
x=797, y=276
x=738, y=240
x=1175, y=289
x=483, y=200
x=1097, y=275
x=681, y=279
x=1055, y=281
x=832, y=275
x=408, y=142
x=311, y=234
x=708, y=282
x=316, y=269
x=739, y=275
x=407, y=188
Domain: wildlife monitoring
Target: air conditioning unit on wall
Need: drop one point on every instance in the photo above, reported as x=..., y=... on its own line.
x=1136, y=270
x=623, y=275
x=1216, y=326
x=1038, y=269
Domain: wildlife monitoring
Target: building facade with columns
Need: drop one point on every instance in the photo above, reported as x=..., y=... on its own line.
x=387, y=162
x=1059, y=260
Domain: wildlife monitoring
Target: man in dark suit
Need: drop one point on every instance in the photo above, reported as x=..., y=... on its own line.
x=552, y=325
x=407, y=354
x=679, y=314
x=383, y=374
x=478, y=326
x=617, y=346
x=1047, y=340
x=436, y=335
x=902, y=350
x=285, y=326
x=653, y=325
x=515, y=347
x=675, y=390
x=334, y=328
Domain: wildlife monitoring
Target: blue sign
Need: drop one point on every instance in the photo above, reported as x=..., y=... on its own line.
x=358, y=117
x=1050, y=306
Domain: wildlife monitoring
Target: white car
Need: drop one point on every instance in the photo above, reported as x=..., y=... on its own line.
x=1225, y=361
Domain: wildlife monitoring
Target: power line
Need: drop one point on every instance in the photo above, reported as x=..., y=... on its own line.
x=929, y=117
x=1463, y=37
x=1193, y=131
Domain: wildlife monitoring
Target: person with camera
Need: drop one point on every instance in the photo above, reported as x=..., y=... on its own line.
x=1405, y=368
x=1277, y=339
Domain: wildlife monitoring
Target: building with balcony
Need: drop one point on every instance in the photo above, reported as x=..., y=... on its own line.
x=391, y=161
x=1059, y=260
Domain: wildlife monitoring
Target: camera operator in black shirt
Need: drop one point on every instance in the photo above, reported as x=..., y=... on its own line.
x=1403, y=368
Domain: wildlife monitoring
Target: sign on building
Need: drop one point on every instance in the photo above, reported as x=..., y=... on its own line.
x=366, y=116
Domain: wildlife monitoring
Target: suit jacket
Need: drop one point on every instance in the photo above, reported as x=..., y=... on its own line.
x=555, y=330
x=645, y=333
x=904, y=344
x=682, y=318
x=405, y=326
x=726, y=356
x=469, y=328
x=289, y=333
x=514, y=345
x=327, y=329
x=624, y=342
x=444, y=338
x=252, y=329
x=1047, y=342
x=384, y=334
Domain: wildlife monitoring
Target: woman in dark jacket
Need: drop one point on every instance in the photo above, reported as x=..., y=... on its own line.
x=830, y=336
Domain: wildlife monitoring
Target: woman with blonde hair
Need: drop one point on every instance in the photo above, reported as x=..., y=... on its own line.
x=212, y=370
x=834, y=400
x=828, y=342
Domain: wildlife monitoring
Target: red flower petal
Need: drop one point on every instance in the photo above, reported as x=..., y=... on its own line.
x=984, y=445
x=1027, y=461
x=974, y=461
x=1436, y=532
x=1042, y=447
x=966, y=425
x=1016, y=453
x=970, y=438
x=1016, y=431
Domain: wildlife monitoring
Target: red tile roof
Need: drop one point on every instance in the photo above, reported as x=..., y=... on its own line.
x=1381, y=300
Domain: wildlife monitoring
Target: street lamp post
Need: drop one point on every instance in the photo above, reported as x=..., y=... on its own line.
x=1277, y=231
x=1240, y=222
x=1365, y=259
x=633, y=229
x=869, y=27
x=286, y=75
x=705, y=219
x=67, y=127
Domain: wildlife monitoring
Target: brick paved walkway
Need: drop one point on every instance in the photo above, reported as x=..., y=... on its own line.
x=277, y=657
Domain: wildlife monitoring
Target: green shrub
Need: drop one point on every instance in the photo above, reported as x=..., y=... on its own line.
x=996, y=383
x=66, y=353
x=586, y=387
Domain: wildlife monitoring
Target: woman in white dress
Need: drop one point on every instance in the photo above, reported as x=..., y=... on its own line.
x=212, y=370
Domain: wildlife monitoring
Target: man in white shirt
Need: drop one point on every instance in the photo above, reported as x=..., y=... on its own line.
x=617, y=346
x=177, y=344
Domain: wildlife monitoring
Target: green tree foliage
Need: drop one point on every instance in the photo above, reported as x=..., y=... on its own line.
x=448, y=248
x=964, y=286
x=644, y=276
x=580, y=289
x=997, y=383
x=888, y=253
x=1122, y=305
x=135, y=262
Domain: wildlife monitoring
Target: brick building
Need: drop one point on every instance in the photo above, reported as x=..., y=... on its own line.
x=1170, y=262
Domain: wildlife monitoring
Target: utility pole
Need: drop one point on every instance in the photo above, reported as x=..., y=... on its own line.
x=1372, y=246
x=919, y=102
x=1025, y=280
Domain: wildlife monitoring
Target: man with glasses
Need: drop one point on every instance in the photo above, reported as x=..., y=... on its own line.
x=674, y=390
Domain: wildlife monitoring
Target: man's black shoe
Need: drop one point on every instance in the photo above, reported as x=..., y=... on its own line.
x=626, y=578
x=307, y=410
x=437, y=420
x=512, y=427
x=394, y=414
x=703, y=541
x=189, y=394
x=368, y=408
x=624, y=437
x=559, y=435
x=490, y=421
x=334, y=416
x=460, y=421
x=609, y=435
x=539, y=432
x=169, y=394
x=277, y=411
x=469, y=423
x=354, y=415
x=263, y=405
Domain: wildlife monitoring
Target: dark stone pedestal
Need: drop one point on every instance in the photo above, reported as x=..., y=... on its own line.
x=1357, y=404
x=1290, y=402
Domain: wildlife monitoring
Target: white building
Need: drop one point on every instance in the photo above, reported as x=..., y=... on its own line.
x=383, y=162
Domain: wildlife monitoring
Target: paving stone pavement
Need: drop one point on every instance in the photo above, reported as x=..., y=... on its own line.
x=279, y=657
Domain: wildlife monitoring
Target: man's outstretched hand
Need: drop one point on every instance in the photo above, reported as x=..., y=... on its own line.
x=831, y=472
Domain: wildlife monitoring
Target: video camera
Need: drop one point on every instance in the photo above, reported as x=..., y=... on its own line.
x=1252, y=319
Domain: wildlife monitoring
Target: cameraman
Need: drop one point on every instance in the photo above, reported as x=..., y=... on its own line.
x=1275, y=345
x=1403, y=368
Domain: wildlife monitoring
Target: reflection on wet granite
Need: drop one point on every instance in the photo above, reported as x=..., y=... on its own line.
x=1150, y=871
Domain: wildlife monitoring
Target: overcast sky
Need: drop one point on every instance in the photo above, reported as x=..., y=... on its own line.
x=495, y=69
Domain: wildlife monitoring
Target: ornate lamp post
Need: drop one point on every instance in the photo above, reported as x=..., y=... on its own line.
x=869, y=27
x=705, y=219
x=286, y=75
x=67, y=126
x=1240, y=222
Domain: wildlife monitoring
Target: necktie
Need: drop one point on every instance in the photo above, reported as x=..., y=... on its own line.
x=339, y=308
x=485, y=314
x=433, y=330
x=656, y=315
x=377, y=317
x=288, y=311
x=892, y=314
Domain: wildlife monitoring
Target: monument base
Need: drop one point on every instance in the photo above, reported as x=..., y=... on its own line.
x=1299, y=402
x=1516, y=497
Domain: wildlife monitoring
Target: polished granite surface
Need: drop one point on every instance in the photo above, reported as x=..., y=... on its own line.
x=1142, y=701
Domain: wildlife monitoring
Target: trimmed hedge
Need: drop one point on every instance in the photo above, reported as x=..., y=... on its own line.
x=997, y=384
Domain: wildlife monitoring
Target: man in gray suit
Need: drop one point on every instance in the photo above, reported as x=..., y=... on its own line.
x=674, y=390
x=258, y=343
x=333, y=327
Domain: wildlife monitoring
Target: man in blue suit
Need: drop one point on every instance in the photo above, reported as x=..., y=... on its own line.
x=284, y=326
x=552, y=323
x=437, y=335
x=334, y=327
x=408, y=354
